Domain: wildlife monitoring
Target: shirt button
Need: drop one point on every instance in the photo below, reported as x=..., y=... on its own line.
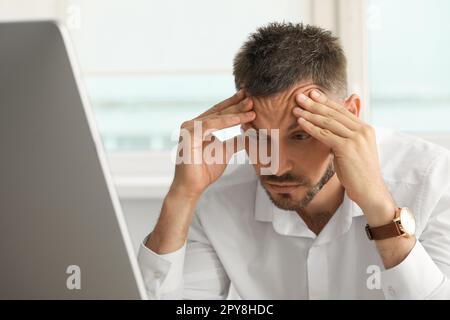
x=391, y=291
x=157, y=274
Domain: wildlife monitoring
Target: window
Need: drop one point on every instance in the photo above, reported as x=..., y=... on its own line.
x=150, y=65
x=409, y=68
x=144, y=112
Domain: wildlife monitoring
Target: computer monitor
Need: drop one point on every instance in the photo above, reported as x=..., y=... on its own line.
x=62, y=232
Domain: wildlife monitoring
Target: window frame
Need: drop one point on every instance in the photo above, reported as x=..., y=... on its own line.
x=353, y=15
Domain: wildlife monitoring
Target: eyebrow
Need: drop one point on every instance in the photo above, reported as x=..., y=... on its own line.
x=293, y=126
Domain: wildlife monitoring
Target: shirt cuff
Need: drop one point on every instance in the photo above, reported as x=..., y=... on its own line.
x=162, y=273
x=416, y=277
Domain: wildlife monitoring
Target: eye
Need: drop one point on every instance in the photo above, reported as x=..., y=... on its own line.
x=301, y=136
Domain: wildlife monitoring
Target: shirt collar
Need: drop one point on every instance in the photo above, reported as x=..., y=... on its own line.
x=289, y=223
x=263, y=204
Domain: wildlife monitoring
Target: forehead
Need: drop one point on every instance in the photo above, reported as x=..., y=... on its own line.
x=276, y=111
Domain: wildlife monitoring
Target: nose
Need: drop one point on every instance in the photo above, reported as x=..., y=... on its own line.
x=285, y=163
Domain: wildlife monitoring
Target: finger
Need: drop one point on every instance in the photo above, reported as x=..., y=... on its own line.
x=324, y=122
x=242, y=106
x=323, y=135
x=236, y=98
x=318, y=108
x=318, y=96
x=228, y=120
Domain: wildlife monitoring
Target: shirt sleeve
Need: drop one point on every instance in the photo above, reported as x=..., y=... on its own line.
x=194, y=271
x=416, y=277
x=162, y=273
x=425, y=272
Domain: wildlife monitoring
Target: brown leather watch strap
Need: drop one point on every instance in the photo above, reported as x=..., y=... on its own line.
x=389, y=230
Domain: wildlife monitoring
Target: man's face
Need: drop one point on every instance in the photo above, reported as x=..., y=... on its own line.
x=304, y=163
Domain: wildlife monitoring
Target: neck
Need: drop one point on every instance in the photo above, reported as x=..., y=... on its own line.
x=320, y=210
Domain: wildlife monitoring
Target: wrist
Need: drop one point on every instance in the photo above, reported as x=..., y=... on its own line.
x=179, y=203
x=183, y=193
x=173, y=224
x=380, y=213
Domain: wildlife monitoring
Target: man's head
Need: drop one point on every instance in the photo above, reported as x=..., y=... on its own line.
x=276, y=63
x=279, y=55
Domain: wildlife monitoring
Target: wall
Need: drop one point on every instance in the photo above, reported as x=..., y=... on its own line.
x=141, y=216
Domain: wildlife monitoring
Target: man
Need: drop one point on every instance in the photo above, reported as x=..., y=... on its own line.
x=348, y=212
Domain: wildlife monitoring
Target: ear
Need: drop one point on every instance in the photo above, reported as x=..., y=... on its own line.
x=353, y=104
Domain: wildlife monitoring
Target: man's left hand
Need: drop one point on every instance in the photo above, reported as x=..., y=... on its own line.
x=354, y=146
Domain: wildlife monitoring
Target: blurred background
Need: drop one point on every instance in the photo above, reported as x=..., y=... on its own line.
x=149, y=65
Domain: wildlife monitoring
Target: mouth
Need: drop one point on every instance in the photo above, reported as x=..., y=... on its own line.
x=282, y=188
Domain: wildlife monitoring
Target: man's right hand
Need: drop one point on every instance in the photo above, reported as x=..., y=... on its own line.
x=193, y=176
x=197, y=170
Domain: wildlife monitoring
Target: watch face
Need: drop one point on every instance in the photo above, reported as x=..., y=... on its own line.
x=408, y=222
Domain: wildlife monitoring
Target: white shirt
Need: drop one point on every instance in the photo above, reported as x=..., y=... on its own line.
x=241, y=246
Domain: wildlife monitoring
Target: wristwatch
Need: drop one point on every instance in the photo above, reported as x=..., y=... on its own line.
x=403, y=224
